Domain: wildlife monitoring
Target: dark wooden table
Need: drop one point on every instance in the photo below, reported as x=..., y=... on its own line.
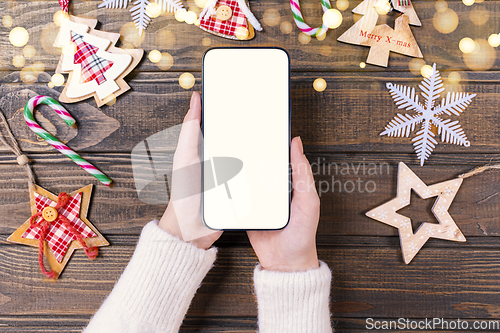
x=339, y=125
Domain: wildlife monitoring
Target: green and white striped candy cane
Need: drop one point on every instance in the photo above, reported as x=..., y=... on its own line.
x=33, y=125
x=299, y=20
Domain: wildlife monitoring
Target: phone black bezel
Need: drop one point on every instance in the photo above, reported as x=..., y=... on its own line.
x=290, y=187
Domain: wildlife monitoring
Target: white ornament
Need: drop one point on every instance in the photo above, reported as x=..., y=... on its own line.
x=428, y=114
x=140, y=11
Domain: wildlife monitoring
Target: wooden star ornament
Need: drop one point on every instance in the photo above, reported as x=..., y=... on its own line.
x=58, y=227
x=412, y=242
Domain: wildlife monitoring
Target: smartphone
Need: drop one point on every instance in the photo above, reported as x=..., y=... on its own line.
x=246, y=178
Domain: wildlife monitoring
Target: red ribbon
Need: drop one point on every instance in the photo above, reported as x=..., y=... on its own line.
x=44, y=225
x=64, y=5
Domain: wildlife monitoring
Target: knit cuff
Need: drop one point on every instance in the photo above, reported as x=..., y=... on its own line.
x=158, y=284
x=293, y=302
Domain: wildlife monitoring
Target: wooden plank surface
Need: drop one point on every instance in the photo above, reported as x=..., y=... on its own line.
x=346, y=194
x=348, y=116
x=340, y=128
x=464, y=283
x=185, y=42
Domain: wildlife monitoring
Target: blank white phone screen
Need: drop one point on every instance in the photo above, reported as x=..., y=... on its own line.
x=246, y=133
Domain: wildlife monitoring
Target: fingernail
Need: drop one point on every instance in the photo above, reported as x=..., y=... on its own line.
x=301, y=147
x=191, y=103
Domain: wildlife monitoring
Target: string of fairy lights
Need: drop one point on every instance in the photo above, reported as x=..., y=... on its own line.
x=478, y=53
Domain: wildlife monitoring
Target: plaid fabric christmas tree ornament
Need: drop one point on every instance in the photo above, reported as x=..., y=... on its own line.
x=229, y=19
x=93, y=66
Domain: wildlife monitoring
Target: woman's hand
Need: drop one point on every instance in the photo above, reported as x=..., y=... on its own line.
x=182, y=217
x=294, y=247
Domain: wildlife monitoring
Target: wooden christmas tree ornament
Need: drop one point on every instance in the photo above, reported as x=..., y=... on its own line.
x=95, y=66
x=412, y=242
x=381, y=38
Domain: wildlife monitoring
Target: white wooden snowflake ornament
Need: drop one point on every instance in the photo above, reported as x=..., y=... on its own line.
x=428, y=114
x=141, y=11
x=412, y=242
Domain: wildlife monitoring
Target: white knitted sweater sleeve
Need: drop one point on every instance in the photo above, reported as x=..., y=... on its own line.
x=293, y=302
x=156, y=288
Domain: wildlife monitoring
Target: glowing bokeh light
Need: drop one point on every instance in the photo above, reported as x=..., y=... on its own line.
x=445, y=21
x=206, y=41
x=415, y=65
x=154, y=56
x=479, y=16
x=454, y=78
x=332, y=18
x=241, y=33
x=165, y=39
x=466, y=45
x=29, y=51
x=153, y=9
x=426, y=71
x=50, y=85
x=482, y=57
x=286, y=27
x=129, y=35
x=186, y=80
x=28, y=75
x=200, y=3
x=19, y=36
x=468, y=2
x=180, y=15
x=441, y=5
x=303, y=38
x=18, y=61
x=319, y=84
x=325, y=50
x=7, y=21
x=166, y=62
x=110, y=100
x=48, y=37
x=190, y=17
x=58, y=79
x=271, y=17
x=383, y=7
x=38, y=67
x=58, y=17
x=342, y=4
x=362, y=65
x=321, y=36
x=494, y=40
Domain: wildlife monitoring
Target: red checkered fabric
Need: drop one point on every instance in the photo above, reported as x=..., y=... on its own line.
x=64, y=5
x=228, y=27
x=58, y=237
x=93, y=66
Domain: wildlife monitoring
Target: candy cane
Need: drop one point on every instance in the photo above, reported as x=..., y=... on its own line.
x=68, y=119
x=299, y=20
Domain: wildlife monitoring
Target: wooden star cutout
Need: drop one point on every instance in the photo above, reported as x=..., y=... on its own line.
x=55, y=265
x=411, y=242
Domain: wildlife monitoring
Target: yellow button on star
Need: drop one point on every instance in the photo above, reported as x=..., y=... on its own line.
x=49, y=214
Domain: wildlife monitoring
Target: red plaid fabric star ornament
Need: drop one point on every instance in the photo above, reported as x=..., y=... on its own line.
x=58, y=226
